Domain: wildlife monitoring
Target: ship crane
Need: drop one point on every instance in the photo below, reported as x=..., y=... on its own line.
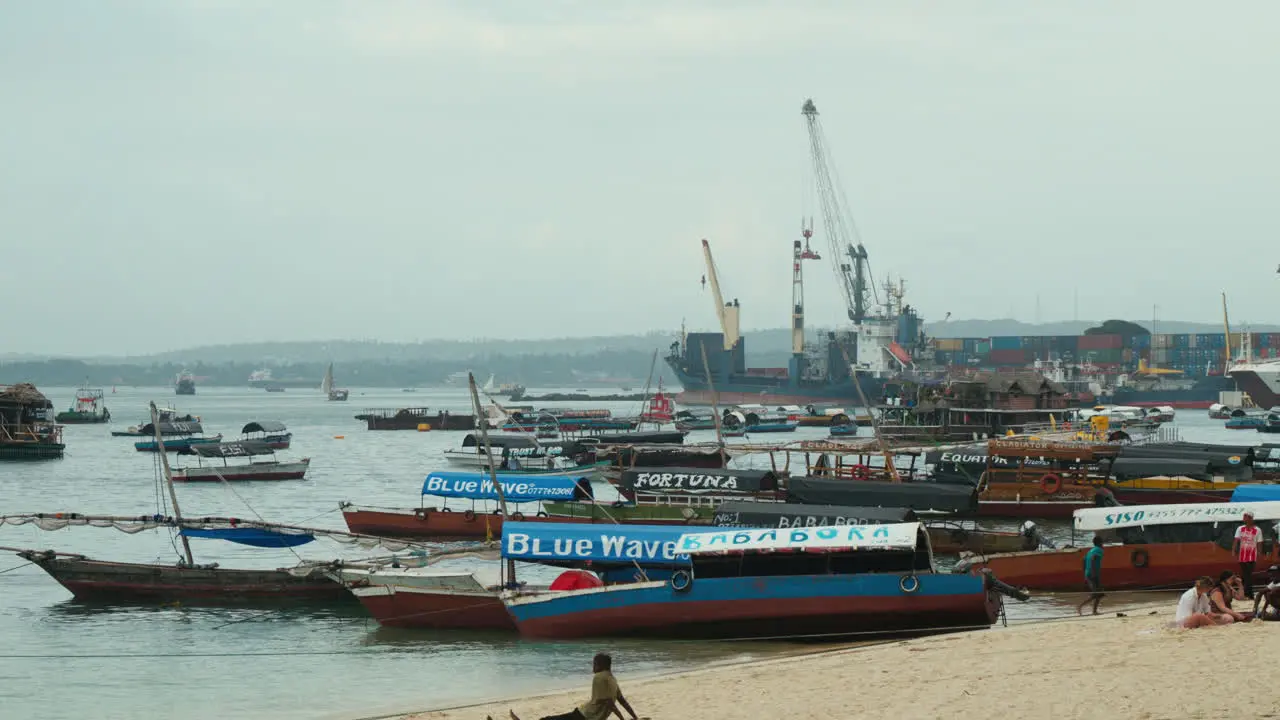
x=799, y=255
x=842, y=231
x=727, y=313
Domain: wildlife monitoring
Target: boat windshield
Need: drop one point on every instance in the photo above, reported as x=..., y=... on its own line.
x=1221, y=533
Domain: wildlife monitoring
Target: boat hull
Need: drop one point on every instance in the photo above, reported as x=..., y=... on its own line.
x=81, y=418
x=431, y=608
x=176, y=444
x=816, y=606
x=1168, y=565
x=100, y=581
x=253, y=471
x=432, y=523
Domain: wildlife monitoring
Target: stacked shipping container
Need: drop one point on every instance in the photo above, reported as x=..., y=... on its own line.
x=1193, y=354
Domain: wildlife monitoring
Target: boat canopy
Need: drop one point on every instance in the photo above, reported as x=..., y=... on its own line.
x=510, y=441
x=515, y=487
x=243, y=448
x=1113, y=518
x=173, y=428
x=255, y=537
x=657, y=437
x=897, y=536
x=738, y=513
x=598, y=544
x=264, y=426
x=1254, y=492
x=918, y=496
x=679, y=480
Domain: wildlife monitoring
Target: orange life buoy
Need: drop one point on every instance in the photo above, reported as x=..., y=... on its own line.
x=1140, y=558
x=859, y=472
x=470, y=515
x=1050, y=483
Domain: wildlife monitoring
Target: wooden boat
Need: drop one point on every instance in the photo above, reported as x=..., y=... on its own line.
x=332, y=392
x=246, y=449
x=271, y=433
x=687, y=420
x=186, y=581
x=100, y=581
x=946, y=536
x=823, y=582
x=848, y=430
x=1244, y=420
x=175, y=437
x=1271, y=423
x=88, y=408
x=414, y=418
x=528, y=451
x=471, y=599
x=25, y=430
x=170, y=420
x=482, y=519
x=1160, y=546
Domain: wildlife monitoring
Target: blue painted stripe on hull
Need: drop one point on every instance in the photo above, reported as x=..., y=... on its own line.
x=747, y=588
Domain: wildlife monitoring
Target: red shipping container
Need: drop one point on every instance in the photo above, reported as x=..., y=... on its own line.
x=1008, y=357
x=1101, y=342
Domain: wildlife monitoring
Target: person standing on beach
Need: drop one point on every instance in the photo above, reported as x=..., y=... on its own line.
x=1093, y=576
x=1245, y=548
x=605, y=696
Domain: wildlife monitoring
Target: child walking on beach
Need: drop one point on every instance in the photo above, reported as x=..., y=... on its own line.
x=605, y=696
x=1245, y=547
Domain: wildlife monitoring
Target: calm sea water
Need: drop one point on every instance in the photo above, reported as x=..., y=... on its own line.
x=63, y=659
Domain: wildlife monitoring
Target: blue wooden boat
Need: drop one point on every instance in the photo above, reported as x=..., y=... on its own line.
x=776, y=426
x=1241, y=420
x=178, y=436
x=846, y=430
x=816, y=583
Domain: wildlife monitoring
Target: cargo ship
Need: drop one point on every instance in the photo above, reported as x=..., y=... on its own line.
x=883, y=344
x=1260, y=379
x=882, y=348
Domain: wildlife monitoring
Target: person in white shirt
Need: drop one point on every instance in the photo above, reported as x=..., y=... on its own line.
x=1193, y=607
x=1266, y=605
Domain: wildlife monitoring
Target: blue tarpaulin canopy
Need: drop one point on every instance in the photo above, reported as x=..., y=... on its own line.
x=257, y=537
x=1255, y=493
x=597, y=544
x=515, y=487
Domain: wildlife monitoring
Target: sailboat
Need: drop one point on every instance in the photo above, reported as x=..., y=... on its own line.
x=489, y=388
x=186, y=581
x=329, y=390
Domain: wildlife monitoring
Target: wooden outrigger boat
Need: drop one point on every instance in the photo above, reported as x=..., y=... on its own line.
x=1159, y=546
x=271, y=433
x=170, y=421
x=771, y=584
x=186, y=581
x=175, y=437
x=251, y=470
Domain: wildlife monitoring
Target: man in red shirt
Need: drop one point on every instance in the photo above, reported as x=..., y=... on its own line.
x=1245, y=548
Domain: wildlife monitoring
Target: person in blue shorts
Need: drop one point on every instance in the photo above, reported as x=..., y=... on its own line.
x=1093, y=575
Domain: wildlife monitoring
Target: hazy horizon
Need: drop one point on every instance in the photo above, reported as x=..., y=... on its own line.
x=204, y=172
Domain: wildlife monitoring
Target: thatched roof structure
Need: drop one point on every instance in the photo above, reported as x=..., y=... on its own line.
x=23, y=394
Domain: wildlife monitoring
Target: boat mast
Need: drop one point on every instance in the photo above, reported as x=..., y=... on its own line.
x=1226, y=325
x=482, y=424
x=168, y=481
x=715, y=405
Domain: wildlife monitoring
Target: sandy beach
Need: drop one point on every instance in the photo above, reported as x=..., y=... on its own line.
x=1093, y=667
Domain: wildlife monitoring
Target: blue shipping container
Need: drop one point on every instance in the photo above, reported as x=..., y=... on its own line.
x=1008, y=342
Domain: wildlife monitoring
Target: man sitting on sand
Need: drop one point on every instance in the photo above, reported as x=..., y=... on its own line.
x=605, y=696
x=1266, y=606
x=1193, y=607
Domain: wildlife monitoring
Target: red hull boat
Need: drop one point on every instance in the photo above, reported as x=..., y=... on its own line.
x=430, y=608
x=462, y=525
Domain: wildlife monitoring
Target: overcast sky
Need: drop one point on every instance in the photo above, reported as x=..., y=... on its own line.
x=185, y=172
